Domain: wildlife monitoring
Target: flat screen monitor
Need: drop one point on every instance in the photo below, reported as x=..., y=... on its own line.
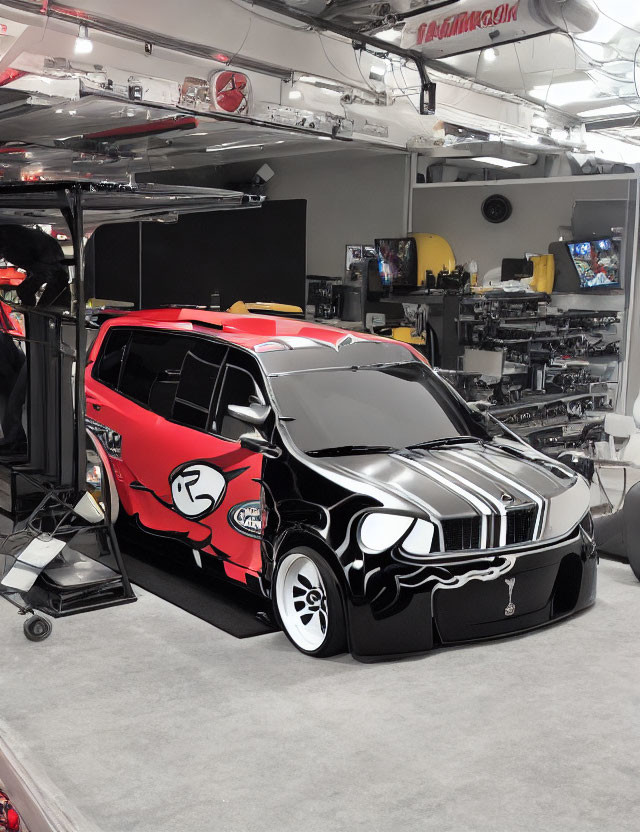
x=597, y=263
x=358, y=251
x=397, y=261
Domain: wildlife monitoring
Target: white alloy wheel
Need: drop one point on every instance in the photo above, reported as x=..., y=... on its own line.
x=301, y=597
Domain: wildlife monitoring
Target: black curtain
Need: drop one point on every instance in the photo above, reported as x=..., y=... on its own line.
x=253, y=254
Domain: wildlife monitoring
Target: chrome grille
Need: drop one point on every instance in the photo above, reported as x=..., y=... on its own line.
x=521, y=523
x=461, y=533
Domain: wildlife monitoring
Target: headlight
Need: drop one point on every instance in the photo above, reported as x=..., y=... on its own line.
x=419, y=539
x=379, y=532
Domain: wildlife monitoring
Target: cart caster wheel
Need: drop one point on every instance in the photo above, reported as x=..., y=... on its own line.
x=37, y=628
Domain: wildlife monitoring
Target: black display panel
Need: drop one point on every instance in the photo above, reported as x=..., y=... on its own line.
x=252, y=255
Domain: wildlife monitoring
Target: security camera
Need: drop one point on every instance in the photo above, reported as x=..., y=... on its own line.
x=263, y=174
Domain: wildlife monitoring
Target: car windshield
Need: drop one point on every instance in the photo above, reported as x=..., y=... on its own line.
x=377, y=407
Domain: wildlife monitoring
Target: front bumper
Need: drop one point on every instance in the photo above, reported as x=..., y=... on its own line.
x=487, y=598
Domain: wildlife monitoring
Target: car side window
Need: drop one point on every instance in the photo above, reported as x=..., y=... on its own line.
x=239, y=387
x=110, y=361
x=152, y=357
x=197, y=383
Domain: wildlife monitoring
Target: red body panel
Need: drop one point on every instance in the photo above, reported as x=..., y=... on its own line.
x=9, y=323
x=154, y=449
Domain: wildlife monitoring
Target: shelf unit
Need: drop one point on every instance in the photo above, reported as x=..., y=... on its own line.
x=556, y=380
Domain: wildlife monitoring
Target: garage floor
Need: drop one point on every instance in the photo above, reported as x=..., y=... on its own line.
x=145, y=718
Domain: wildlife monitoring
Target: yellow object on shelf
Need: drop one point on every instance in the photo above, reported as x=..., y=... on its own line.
x=242, y=308
x=434, y=254
x=404, y=333
x=543, y=273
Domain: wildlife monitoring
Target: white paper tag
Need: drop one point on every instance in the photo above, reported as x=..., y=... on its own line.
x=31, y=561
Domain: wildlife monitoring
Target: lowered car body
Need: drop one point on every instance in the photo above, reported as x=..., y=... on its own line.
x=338, y=475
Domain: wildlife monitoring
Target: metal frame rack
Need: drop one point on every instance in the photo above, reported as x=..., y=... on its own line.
x=46, y=490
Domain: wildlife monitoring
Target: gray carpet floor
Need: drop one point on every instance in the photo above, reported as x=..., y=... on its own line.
x=147, y=719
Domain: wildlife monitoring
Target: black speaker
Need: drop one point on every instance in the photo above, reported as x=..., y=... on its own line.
x=496, y=208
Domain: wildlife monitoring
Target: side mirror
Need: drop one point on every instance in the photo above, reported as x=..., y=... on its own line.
x=253, y=442
x=255, y=414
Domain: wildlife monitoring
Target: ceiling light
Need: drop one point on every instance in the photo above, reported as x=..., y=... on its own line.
x=490, y=54
x=295, y=95
x=389, y=35
x=614, y=110
x=568, y=92
x=377, y=72
x=500, y=163
x=83, y=43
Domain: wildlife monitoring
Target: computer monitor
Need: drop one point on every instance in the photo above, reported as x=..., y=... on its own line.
x=597, y=263
x=397, y=262
x=358, y=251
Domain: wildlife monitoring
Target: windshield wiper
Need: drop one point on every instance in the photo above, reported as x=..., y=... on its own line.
x=443, y=443
x=345, y=450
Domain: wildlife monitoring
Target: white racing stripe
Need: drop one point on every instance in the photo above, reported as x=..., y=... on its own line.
x=468, y=496
x=485, y=495
x=538, y=499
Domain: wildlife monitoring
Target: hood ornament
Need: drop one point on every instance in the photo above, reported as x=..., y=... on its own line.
x=511, y=607
x=506, y=498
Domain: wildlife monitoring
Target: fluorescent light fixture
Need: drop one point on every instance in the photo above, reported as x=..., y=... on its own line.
x=389, y=35
x=295, y=95
x=83, y=45
x=325, y=84
x=490, y=54
x=499, y=163
x=567, y=92
x=377, y=72
x=614, y=110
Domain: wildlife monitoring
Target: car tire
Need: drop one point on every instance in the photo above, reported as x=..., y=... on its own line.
x=307, y=603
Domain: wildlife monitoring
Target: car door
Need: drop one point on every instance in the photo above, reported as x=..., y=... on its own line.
x=174, y=471
x=237, y=527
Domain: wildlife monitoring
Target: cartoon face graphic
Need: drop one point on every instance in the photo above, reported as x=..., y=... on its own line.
x=197, y=489
x=231, y=92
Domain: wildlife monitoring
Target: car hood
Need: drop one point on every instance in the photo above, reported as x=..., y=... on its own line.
x=488, y=479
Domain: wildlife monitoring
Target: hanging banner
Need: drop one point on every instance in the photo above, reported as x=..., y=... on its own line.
x=476, y=24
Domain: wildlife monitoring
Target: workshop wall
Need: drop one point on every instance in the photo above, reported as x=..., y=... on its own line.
x=351, y=198
x=540, y=209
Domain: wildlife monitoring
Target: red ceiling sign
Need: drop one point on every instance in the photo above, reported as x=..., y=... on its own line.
x=477, y=24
